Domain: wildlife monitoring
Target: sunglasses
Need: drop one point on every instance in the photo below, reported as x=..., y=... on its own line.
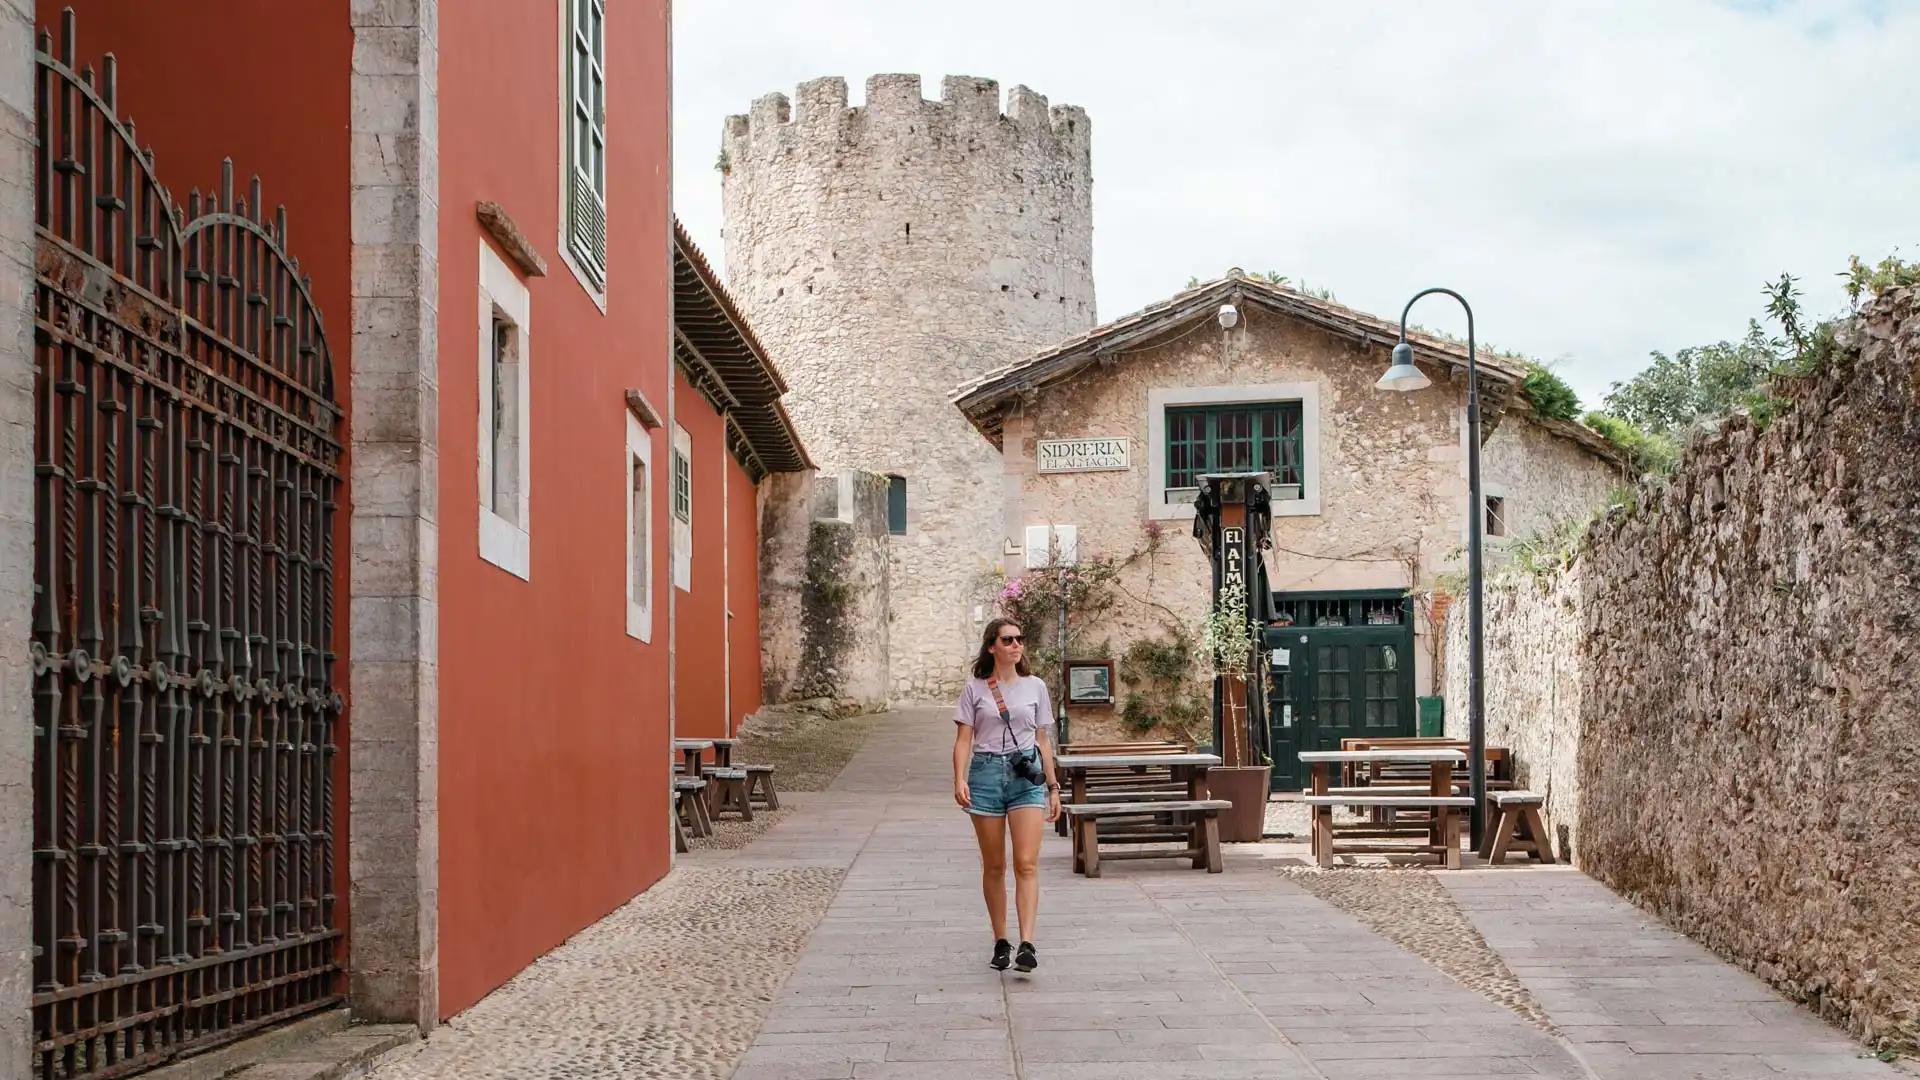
x=1013, y=639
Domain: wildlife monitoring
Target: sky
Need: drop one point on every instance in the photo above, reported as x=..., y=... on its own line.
x=1598, y=179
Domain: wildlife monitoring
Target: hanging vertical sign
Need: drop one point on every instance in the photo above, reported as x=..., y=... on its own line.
x=1233, y=558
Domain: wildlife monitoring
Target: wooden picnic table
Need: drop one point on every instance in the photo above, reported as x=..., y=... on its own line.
x=690, y=752
x=723, y=752
x=1441, y=830
x=1499, y=759
x=1193, y=826
x=1190, y=769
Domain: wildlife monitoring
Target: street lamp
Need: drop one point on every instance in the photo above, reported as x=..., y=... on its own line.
x=1404, y=376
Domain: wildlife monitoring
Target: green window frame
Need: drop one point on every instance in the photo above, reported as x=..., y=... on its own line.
x=1264, y=436
x=586, y=223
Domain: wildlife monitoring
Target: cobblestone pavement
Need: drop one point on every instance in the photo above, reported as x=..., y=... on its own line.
x=1153, y=971
x=1381, y=896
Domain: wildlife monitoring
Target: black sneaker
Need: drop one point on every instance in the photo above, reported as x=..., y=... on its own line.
x=1002, y=955
x=1026, y=960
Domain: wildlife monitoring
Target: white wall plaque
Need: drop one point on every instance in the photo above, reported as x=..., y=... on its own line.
x=1084, y=455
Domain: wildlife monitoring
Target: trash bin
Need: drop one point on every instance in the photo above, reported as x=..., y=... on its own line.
x=1433, y=717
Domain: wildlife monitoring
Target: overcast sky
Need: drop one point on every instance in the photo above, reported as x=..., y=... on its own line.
x=1599, y=179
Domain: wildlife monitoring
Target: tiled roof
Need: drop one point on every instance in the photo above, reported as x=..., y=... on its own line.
x=718, y=350
x=1500, y=376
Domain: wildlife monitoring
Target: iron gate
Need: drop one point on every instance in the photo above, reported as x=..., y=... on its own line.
x=184, y=713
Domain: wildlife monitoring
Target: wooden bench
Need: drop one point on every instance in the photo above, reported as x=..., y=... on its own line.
x=679, y=830
x=1442, y=838
x=1116, y=780
x=760, y=786
x=727, y=791
x=1201, y=831
x=690, y=800
x=1519, y=828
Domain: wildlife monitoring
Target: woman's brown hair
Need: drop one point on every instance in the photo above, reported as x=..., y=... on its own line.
x=983, y=663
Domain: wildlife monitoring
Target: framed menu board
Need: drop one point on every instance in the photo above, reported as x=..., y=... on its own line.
x=1089, y=682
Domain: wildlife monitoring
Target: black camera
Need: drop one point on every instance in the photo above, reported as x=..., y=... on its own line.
x=1027, y=767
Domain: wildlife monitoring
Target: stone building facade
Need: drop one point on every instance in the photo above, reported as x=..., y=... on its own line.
x=1715, y=698
x=1382, y=499
x=885, y=252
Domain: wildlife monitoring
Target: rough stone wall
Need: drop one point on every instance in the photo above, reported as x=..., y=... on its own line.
x=824, y=588
x=1544, y=477
x=1737, y=675
x=1535, y=638
x=16, y=534
x=1392, y=490
x=887, y=253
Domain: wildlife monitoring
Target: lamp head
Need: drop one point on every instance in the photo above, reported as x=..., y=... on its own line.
x=1228, y=316
x=1403, y=375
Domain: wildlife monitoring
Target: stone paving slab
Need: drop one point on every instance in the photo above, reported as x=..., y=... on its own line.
x=1639, y=998
x=1153, y=972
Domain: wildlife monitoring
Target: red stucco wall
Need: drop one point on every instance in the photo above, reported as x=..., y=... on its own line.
x=743, y=590
x=553, y=722
x=265, y=85
x=700, y=686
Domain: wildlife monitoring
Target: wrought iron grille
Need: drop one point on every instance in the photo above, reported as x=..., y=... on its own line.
x=184, y=713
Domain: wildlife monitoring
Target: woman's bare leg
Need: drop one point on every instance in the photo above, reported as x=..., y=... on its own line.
x=992, y=834
x=1028, y=824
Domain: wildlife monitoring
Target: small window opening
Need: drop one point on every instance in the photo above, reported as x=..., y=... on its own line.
x=1496, y=516
x=897, y=505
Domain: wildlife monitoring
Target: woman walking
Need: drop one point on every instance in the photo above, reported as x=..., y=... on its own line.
x=1003, y=776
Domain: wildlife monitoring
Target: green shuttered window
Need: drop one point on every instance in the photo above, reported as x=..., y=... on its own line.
x=1234, y=438
x=587, y=137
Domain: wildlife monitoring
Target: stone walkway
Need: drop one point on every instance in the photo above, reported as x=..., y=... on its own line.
x=1155, y=971
x=1151, y=972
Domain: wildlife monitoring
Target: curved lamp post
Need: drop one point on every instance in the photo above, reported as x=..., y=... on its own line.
x=1405, y=377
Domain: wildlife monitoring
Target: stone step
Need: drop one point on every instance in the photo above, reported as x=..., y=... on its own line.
x=324, y=1046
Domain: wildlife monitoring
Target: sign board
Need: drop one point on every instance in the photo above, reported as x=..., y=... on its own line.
x=1234, y=566
x=1090, y=682
x=1084, y=455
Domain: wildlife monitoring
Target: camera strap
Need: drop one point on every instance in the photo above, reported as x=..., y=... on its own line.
x=1006, y=715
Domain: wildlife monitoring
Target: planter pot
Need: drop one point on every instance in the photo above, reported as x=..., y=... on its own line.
x=1433, y=716
x=1246, y=787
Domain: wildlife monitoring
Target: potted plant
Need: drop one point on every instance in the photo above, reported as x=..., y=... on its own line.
x=1244, y=775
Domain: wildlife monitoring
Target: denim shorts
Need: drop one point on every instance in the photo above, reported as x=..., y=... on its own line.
x=995, y=789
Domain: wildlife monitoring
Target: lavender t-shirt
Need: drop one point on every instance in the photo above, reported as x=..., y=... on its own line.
x=1027, y=703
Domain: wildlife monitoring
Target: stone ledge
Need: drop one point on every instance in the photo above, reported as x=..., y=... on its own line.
x=324, y=1046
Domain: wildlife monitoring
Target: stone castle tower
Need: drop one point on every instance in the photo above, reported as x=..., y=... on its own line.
x=886, y=254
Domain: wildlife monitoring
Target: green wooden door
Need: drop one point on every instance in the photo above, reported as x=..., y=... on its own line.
x=1348, y=675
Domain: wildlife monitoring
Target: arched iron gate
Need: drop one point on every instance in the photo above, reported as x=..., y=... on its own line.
x=184, y=710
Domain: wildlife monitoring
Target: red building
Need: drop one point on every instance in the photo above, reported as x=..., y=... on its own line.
x=466, y=525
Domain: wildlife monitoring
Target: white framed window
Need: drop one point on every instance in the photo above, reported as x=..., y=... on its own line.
x=639, y=531
x=1497, y=521
x=583, y=137
x=1166, y=502
x=505, y=362
x=1052, y=545
x=682, y=502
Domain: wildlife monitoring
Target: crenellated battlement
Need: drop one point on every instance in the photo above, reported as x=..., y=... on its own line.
x=968, y=108
x=886, y=253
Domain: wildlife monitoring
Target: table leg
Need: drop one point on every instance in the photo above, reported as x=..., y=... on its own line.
x=1077, y=794
x=1197, y=782
x=1322, y=817
x=1439, y=782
